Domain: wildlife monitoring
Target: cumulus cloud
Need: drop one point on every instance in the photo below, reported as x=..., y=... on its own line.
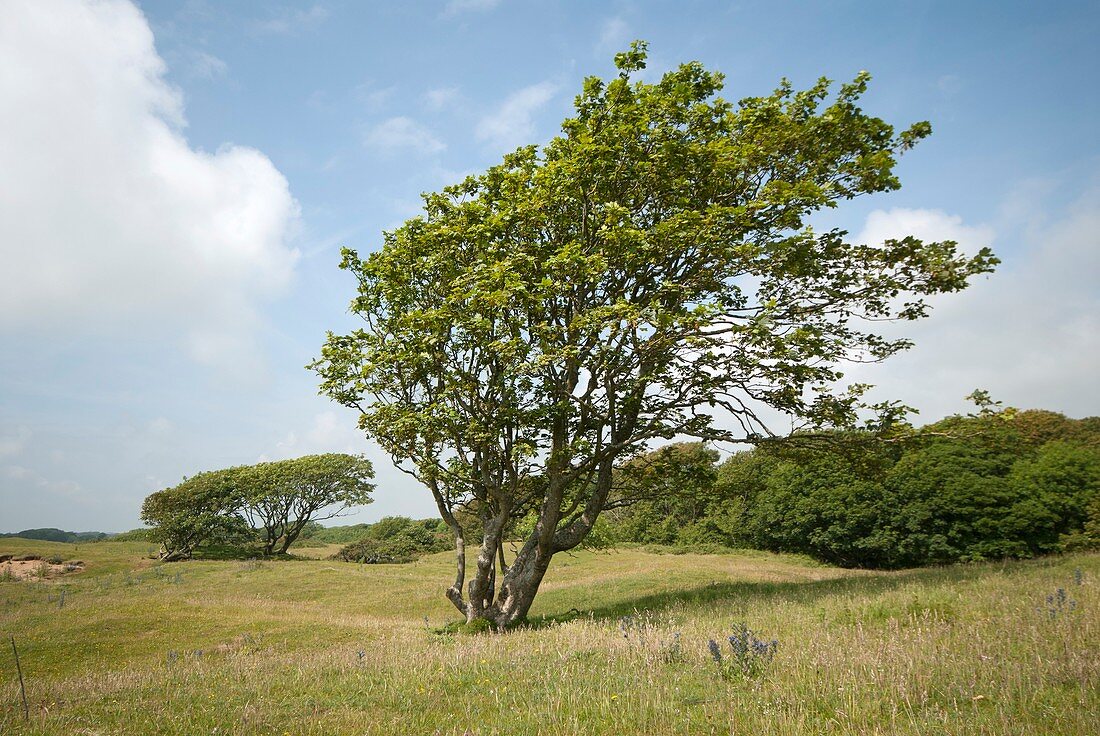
x=1029, y=333
x=930, y=225
x=512, y=124
x=108, y=217
x=206, y=66
x=402, y=133
x=328, y=432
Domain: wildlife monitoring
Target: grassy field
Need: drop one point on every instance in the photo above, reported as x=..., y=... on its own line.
x=322, y=647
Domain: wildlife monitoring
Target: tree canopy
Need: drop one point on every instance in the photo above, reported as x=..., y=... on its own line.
x=273, y=501
x=280, y=498
x=647, y=271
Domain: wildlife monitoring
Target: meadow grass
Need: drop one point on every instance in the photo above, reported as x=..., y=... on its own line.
x=617, y=645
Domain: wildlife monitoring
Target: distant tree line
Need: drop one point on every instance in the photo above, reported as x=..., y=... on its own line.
x=1002, y=484
x=265, y=506
x=995, y=485
x=51, y=534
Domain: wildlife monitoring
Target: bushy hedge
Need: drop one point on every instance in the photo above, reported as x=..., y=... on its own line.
x=397, y=539
x=1012, y=484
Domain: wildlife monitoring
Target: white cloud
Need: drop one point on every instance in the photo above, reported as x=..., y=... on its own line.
x=1029, y=333
x=512, y=124
x=928, y=225
x=328, y=432
x=160, y=426
x=289, y=20
x=441, y=98
x=454, y=7
x=402, y=133
x=109, y=220
x=373, y=97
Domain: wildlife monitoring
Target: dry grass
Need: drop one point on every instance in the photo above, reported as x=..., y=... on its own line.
x=318, y=647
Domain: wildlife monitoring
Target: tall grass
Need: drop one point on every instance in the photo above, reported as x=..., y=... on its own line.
x=322, y=647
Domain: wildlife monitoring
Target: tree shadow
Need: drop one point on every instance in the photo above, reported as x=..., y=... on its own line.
x=808, y=592
x=239, y=552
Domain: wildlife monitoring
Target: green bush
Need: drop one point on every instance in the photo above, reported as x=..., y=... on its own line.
x=143, y=534
x=1001, y=484
x=397, y=539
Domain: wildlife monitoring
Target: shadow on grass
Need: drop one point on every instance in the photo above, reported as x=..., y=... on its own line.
x=232, y=552
x=794, y=592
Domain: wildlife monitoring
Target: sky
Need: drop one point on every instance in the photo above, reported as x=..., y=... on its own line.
x=177, y=178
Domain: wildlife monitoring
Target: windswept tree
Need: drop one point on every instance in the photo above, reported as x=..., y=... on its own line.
x=274, y=501
x=280, y=498
x=644, y=273
x=202, y=508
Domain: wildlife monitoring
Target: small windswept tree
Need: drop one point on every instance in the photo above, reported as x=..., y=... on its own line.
x=280, y=498
x=275, y=499
x=202, y=508
x=646, y=271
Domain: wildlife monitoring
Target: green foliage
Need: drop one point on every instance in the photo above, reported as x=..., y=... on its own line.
x=544, y=321
x=476, y=626
x=334, y=534
x=397, y=539
x=995, y=485
x=281, y=498
x=278, y=500
x=1088, y=538
x=949, y=501
x=665, y=496
x=820, y=507
x=311, y=530
x=142, y=534
x=203, y=508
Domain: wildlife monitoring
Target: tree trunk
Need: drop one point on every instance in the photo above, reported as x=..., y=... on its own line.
x=521, y=583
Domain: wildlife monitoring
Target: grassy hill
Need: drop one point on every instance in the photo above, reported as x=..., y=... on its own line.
x=323, y=647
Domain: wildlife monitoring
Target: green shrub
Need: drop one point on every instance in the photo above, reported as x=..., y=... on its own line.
x=997, y=485
x=142, y=534
x=397, y=539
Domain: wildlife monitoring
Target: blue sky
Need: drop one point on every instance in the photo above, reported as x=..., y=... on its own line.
x=176, y=179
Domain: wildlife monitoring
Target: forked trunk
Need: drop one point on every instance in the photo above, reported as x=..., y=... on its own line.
x=503, y=594
x=516, y=592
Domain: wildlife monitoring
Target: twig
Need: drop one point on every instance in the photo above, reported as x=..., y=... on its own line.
x=22, y=689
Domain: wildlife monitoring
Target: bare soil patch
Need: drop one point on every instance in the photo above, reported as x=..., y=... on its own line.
x=31, y=567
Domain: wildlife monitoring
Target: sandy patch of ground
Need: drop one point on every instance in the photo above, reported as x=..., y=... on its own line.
x=36, y=569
